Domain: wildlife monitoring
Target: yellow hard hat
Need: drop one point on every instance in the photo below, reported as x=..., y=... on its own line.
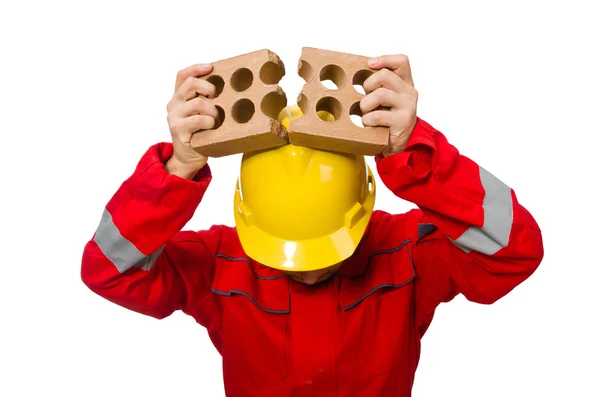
x=302, y=209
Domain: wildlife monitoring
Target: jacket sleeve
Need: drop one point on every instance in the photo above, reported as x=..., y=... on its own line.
x=470, y=234
x=138, y=256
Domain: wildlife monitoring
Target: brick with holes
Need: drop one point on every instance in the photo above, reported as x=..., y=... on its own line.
x=346, y=71
x=249, y=100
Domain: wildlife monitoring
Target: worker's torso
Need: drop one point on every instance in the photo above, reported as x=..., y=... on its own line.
x=352, y=335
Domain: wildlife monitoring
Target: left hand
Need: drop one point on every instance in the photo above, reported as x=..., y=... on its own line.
x=391, y=87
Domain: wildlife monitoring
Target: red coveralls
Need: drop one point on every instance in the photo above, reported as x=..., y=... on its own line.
x=358, y=334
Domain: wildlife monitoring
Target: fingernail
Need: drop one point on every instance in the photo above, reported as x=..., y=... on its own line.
x=206, y=65
x=373, y=61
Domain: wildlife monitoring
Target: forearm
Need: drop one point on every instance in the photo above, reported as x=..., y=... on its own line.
x=479, y=241
x=474, y=208
x=125, y=260
x=187, y=171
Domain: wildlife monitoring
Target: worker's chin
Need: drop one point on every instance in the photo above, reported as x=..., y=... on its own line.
x=311, y=282
x=308, y=282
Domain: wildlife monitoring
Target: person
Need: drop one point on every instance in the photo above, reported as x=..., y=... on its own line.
x=313, y=292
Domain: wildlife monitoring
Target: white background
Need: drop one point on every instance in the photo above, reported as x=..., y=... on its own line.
x=83, y=90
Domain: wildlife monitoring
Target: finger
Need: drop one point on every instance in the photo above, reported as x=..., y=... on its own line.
x=193, y=87
x=197, y=70
x=398, y=63
x=197, y=106
x=384, y=78
x=192, y=124
x=380, y=97
x=378, y=118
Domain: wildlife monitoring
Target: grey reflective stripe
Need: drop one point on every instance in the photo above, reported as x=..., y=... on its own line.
x=497, y=215
x=120, y=251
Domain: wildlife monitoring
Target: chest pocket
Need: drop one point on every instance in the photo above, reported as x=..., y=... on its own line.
x=255, y=310
x=375, y=321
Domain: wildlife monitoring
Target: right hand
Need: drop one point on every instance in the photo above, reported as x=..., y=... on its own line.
x=188, y=112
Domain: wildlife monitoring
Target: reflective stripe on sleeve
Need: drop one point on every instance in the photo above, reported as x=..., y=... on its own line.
x=120, y=251
x=498, y=218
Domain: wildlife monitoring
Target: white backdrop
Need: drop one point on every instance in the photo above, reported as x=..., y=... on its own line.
x=83, y=90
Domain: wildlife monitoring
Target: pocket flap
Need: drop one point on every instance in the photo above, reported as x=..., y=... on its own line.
x=238, y=277
x=385, y=269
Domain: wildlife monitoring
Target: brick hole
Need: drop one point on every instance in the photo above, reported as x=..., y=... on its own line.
x=305, y=71
x=241, y=79
x=242, y=111
x=272, y=104
x=356, y=115
x=332, y=77
x=218, y=82
x=271, y=73
x=220, y=118
x=331, y=106
x=359, y=79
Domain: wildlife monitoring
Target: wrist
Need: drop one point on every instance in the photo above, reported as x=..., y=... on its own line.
x=187, y=171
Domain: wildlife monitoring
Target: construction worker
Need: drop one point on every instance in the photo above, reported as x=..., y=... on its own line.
x=313, y=293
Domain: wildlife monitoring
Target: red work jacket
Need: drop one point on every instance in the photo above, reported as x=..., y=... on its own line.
x=357, y=334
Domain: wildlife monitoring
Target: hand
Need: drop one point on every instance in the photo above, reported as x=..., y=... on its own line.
x=391, y=87
x=189, y=112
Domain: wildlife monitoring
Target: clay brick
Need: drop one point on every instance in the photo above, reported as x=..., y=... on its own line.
x=342, y=135
x=249, y=100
